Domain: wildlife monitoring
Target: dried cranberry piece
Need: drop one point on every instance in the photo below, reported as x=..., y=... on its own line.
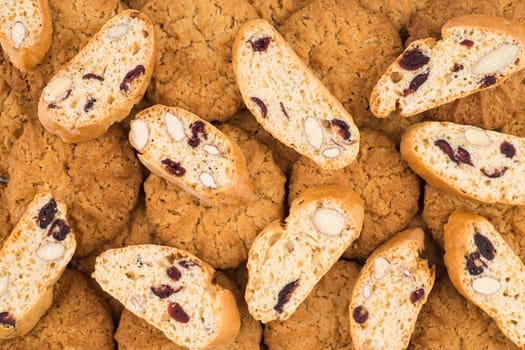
x=495, y=174
x=457, y=67
x=7, y=319
x=59, y=230
x=486, y=249
x=177, y=313
x=164, y=291
x=130, y=76
x=173, y=168
x=285, y=294
x=416, y=295
x=488, y=81
x=467, y=43
x=92, y=76
x=194, y=141
x=284, y=111
x=260, y=44
x=174, y=273
x=413, y=59
x=507, y=149
x=262, y=106
x=198, y=128
x=187, y=263
x=463, y=156
x=46, y=215
x=360, y=314
x=445, y=147
x=342, y=127
x=89, y=104
x=474, y=264
x=416, y=83
x=52, y=105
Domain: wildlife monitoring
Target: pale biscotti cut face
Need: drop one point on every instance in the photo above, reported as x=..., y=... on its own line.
x=476, y=53
x=391, y=289
x=286, y=262
x=187, y=151
x=289, y=101
x=173, y=291
x=25, y=31
x=100, y=85
x=32, y=259
x=466, y=160
x=486, y=271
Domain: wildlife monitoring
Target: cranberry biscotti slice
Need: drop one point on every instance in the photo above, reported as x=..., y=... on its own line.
x=391, y=289
x=486, y=271
x=188, y=151
x=32, y=259
x=285, y=263
x=100, y=85
x=25, y=32
x=468, y=161
x=173, y=291
x=289, y=101
x=476, y=52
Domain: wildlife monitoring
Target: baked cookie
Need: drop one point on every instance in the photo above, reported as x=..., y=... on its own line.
x=398, y=11
x=5, y=224
x=322, y=321
x=135, y=4
x=77, y=319
x=449, y=321
x=193, y=69
x=98, y=180
x=134, y=333
x=277, y=11
x=220, y=235
x=389, y=189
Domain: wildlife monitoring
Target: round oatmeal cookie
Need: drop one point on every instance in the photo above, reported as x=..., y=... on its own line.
x=389, y=189
x=74, y=23
x=77, y=319
x=135, y=333
x=221, y=235
x=193, y=69
x=398, y=11
x=321, y=322
x=449, y=321
x=99, y=181
x=489, y=109
x=277, y=11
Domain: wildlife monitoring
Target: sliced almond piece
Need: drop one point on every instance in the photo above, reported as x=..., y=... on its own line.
x=4, y=283
x=51, y=251
x=496, y=60
x=174, y=127
x=118, y=31
x=380, y=266
x=477, y=137
x=486, y=285
x=313, y=132
x=367, y=291
x=207, y=180
x=18, y=33
x=211, y=150
x=58, y=89
x=328, y=221
x=333, y=152
x=139, y=134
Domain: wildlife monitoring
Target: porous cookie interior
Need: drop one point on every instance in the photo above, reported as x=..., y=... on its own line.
x=21, y=21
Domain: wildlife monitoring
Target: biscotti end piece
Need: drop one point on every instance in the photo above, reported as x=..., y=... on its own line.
x=32, y=259
x=475, y=53
x=173, y=291
x=472, y=162
x=289, y=101
x=186, y=150
x=485, y=270
x=285, y=263
x=391, y=289
x=26, y=31
x=100, y=85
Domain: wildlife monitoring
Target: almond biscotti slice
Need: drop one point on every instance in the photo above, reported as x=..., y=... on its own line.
x=486, y=271
x=466, y=160
x=286, y=262
x=289, y=101
x=391, y=289
x=173, y=291
x=100, y=85
x=25, y=32
x=186, y=150
x=476, y=52
x=32, y=259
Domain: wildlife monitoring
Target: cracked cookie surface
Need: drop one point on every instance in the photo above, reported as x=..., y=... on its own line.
x=277, y=11
x=398, y=11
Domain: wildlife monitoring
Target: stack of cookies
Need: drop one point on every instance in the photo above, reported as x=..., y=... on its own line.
x=215, y=174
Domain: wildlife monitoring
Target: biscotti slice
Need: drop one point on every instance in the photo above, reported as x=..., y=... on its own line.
x=486, y=271
x=100, y=85
x=466, y=160
x=286, y=262
x=32, y=259
x=389, y=293
x=476, y=52
x=186, y=150
x=25, y=32
x=173, y=291
x=289, y=101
